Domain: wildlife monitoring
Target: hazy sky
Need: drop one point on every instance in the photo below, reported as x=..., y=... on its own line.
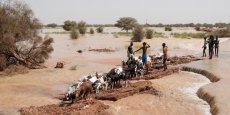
x=154, y=11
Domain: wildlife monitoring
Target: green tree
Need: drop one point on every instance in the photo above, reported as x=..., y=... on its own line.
x=126, y=23
x=69, y=25
x=82, y=27
x=138, y=33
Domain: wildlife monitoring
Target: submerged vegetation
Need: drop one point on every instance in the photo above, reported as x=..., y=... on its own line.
x=68, y=25
x=100, y=29
x=91, y=31
x=82, y=27
x=138, y=34
x=149, y=34
x=189, y=35
x=74, y=34
x=222, y=32
x=168, y=28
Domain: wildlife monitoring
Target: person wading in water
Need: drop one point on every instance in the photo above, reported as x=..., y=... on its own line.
x=144, y=54
x=216, y=46
x=165, y=56
x=204, y=47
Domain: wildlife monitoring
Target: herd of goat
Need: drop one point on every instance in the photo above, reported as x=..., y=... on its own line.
x=95, y=82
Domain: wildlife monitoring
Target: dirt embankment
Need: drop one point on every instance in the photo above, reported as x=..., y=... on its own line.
x=156, y=74
x=201, y=92
x=93, y=106
x=82, y=107
x=133, y=88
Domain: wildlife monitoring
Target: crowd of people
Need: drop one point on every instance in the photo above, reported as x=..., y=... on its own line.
x=213, y=46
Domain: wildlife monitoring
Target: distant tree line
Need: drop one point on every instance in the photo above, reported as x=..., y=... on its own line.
x=219, y=25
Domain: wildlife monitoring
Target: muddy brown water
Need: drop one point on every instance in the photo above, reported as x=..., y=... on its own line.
x=39, y=87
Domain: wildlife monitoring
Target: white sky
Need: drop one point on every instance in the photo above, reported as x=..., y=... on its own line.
x=109, y=11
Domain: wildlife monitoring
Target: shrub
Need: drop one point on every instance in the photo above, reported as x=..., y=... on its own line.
x=73, y=67
x=222, y=32
x=74, y=34
x=15, y=69
x=197, y=28
x=69, y=25
x=82, y=27
x=149, y=34
x=168, y=28
x=138, y=34
x=189, y=35
x=158, y=35
x=100, y=29
x=91, y=31
x=53, y=25
x=123, y=33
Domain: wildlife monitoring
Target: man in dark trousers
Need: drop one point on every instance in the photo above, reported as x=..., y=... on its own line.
x=165, y=55
x=216, y=46
x=130, y=51
x=204, y=47
x=210, y=46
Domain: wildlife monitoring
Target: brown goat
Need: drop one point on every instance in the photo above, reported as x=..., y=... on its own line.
x=85, y=89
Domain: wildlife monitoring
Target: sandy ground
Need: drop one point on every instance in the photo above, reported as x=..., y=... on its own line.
x=39, y=87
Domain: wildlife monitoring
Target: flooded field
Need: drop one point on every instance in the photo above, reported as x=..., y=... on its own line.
x=39, y=87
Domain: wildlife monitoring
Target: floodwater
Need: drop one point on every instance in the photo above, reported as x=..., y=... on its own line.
x=178, y=98
x=39, y=87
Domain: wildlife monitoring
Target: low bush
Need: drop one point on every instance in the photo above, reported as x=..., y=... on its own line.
x=82, y=27
x=123, y=33
x=91, y=31
x=158, y=35
x=74, y=34
x=222, y=32
x=73, y=67
x=149, y=34
x=53, y=25
x=100, y=29
x=197, y=28
x=168, y=28
x=15, y=69
x=138, y=34
x=69, y=25
x=189, y=35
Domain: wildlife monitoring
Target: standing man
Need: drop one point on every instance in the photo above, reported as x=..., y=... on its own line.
x=216, y=46
x=130, y=51
x=165, y=56
x=144, y=54
x=204, y=47
x=210, y=46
